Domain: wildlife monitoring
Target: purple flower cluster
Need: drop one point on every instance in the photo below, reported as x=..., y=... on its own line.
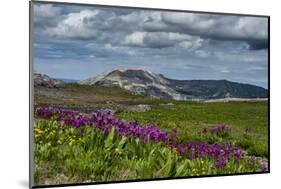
x=146, y=133
x=218, y=130
x=221, y=153
x=45, y=112
x=104, y=121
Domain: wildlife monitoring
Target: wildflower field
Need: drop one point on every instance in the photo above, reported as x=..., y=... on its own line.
x=173, y=139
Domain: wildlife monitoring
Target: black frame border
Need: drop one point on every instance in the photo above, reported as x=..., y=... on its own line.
x=31, y=158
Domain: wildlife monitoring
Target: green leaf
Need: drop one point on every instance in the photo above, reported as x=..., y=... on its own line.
x=122, y=142
x=109, y=139
x=181, y=170
x=169, y=168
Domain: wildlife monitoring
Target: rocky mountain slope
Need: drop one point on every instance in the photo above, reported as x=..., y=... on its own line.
x=45, y=81
x=145, y=82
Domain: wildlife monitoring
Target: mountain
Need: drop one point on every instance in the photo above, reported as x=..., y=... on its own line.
x=67, y=80
x=145, y=82
x=135, y=80
x=45, y=81
x=217, y=89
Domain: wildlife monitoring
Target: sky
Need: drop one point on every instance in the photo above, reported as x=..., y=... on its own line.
x=78, y=42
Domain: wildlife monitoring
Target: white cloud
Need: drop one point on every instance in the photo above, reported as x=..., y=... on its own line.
x=147, y=28
x=218, y=25
x=193, y=44
x=46, y=11
x=76, y=25
x=250, y=29
x=162, y=40
x=136, y=38
x=202, y=53
x=225, y=71
x=194, y=21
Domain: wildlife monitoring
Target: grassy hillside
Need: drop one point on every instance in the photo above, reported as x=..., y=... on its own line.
x=248, y=120
x=87, y=97
x=66, y=154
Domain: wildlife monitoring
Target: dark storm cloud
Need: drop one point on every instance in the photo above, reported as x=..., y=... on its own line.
x=224, y=28
x=46, y=16
x=258, y=44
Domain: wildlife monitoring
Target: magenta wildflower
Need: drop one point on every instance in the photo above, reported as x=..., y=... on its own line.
x=104, y=121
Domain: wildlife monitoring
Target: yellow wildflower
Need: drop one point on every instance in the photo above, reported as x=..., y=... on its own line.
x=38, y=131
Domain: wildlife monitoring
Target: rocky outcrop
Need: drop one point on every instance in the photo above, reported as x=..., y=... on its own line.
x=45, y=81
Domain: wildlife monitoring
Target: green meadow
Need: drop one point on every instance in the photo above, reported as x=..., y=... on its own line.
x=70, y=157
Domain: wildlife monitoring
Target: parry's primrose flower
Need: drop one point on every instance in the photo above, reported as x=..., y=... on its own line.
x=180, y=149
x=104, y=121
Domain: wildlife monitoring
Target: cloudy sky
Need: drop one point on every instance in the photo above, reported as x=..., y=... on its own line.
x=77, y=42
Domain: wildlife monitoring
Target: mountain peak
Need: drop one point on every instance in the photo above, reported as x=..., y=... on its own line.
x=123, y=69
x=141, y=81
x=124, y=74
